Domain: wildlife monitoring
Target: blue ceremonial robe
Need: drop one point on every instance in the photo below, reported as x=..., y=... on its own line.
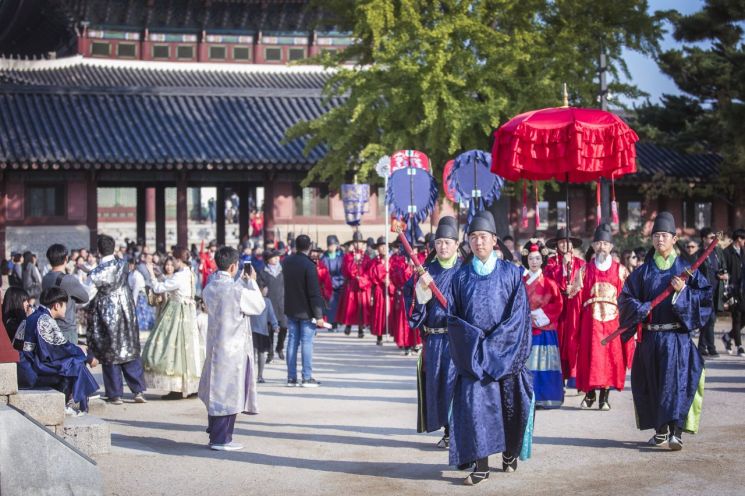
x=438, y=371
x=667, y=367
x=489, y=328
x=337, y=284
x=49, y=359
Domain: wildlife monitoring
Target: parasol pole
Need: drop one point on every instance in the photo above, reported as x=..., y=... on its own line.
x=565, y=104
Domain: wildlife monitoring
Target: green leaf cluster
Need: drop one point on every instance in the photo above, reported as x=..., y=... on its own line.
x=440, y=76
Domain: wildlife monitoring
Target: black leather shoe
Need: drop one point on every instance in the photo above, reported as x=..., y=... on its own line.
x=347, y=330
x=281, y=354
x=588, y=400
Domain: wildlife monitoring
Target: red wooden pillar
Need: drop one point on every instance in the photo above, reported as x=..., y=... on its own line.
x=160, y=218
x=268, y=209
x=182, y=217
x=92, y=207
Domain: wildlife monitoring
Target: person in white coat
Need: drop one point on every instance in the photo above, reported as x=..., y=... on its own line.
x=228, y=383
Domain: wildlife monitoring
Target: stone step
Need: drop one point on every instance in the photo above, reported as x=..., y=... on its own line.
x=8, y=379
x=97, y=407
x=46, y=406
x=88, y=433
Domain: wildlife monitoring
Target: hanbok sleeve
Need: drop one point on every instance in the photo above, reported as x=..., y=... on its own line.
x=693, y=305
x=252, y=301
x=631, y=309
x=171, y=283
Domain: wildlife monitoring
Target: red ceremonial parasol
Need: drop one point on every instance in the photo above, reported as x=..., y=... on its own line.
x=565, y=143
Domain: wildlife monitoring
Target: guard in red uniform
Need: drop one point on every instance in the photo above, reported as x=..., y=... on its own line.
x=564, y=269
x=382, y=291
x=406, y=338
x=354, y=307
x=601, y=367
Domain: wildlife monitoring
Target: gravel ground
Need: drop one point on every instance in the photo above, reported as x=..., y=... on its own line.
x=356, y=435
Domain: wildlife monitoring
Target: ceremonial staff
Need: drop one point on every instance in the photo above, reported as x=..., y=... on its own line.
x=669, y=290
x=418, y=266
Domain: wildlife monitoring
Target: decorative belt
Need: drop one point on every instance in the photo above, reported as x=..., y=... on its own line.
x=435, y=330
x=600, y=299
x=662, y=327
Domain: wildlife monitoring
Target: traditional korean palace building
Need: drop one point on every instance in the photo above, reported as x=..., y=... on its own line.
x=166, y=123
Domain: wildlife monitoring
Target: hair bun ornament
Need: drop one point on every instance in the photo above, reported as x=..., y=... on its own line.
x=544, y=252
x=524, y=252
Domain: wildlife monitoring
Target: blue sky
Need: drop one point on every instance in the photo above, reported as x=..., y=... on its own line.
x=644, y=71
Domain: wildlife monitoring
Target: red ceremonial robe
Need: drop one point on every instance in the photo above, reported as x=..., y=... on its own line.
x=324, y=279
x=377, y=274
x=598, y=366
x=355, y=300
x=401, y=272
x=568, y=324
x=544, y=293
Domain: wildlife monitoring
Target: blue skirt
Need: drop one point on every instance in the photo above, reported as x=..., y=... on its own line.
x=145, y=313
x=545, y=363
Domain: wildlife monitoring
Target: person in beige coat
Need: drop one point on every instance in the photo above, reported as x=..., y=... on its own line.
x=228, y=384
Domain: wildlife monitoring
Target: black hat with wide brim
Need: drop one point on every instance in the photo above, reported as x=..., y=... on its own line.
x=356, y=238
x=563, y=233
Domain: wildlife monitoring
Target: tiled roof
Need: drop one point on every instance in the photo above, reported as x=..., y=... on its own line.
x=89, y=116
x=87, y=72
x=654, y=159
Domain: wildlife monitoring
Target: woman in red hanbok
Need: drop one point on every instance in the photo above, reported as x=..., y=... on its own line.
x=406, y=337
x=601, y=367
x=545, y=307
x=381, y=293
x=354, y=307
x=324, y=276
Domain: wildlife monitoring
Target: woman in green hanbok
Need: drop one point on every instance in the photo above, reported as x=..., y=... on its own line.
x=172, y=356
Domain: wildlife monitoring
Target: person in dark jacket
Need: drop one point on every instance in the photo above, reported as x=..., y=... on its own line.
x=78, y=294
x=734, y=255
x=271, y=278
x=303, y=307
x=716, y=272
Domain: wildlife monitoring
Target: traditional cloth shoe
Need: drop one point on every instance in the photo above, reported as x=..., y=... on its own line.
x=226, y=447
x=659, y=439
x=475, y=477
x=115, y=401
x=140, y=398
x=361, y=334
x=588, y=401
x=444, y=443
x=509, y=463
x=604, y=404
x=675, y=443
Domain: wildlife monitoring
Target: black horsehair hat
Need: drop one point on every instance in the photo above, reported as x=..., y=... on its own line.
x=483, y=221
x=447, y=227
x=563, y=233
x=664, y=222
x=603, y=232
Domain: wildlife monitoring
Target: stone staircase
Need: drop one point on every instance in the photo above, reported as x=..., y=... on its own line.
x=89, y=434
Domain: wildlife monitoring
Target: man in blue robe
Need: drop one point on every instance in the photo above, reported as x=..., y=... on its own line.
x=436, y=370
x=489, y=328
x=333, y=260
x=48, y=359
x=667, y=375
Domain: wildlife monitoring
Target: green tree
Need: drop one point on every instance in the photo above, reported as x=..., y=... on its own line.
x=710, y=68
x=439, y=76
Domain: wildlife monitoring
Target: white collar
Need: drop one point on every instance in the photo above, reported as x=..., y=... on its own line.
x=533, y=276
x=605, y=265
x=107, y=258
